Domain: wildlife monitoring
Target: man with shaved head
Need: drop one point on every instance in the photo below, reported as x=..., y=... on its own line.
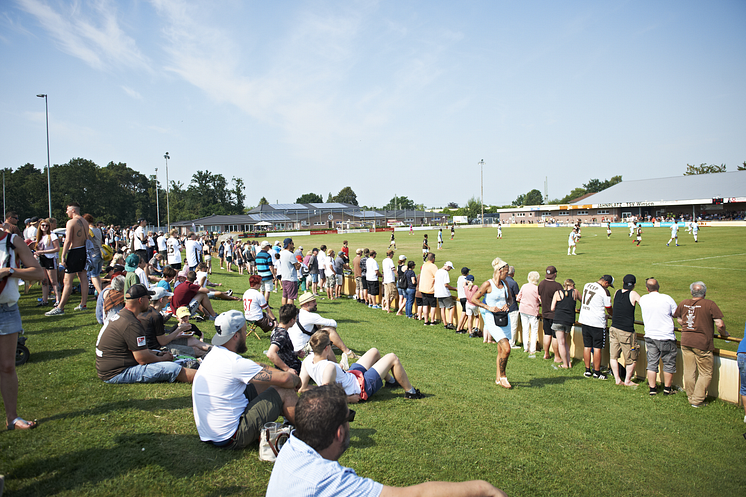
x=660, y=340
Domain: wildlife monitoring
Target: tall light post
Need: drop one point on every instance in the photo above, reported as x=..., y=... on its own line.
x=168, y=206
x=481, y=175
x=49, y=183
x=157, y=204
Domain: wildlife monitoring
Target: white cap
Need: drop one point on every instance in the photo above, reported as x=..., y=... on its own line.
x=228, y=324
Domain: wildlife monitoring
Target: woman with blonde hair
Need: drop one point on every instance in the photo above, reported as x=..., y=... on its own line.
x=529, y=309
x=494, y=309
x=47, y=250
x=563, y=306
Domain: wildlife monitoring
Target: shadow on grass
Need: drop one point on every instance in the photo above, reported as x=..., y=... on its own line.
x=153, y=404
x=52, y=355
x=542, y=382
x=141, y=453
x=361, y=437
x=29, y=328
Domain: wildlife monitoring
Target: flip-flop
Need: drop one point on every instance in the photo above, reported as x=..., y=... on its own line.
x=30, y=425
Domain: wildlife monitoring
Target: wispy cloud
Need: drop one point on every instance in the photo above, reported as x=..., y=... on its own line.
x=132, y=93
x=89, y=31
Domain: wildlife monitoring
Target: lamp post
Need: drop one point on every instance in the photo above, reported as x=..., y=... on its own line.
x=168, y=206
x=481, y=175
x=157, y=202
x=49, y=183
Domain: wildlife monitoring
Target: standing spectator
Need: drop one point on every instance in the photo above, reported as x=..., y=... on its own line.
x=411, y=289
x=622, y=336
x=364, y=274
x=345, y=251
x=74, y=255
x=513, y=312
x=357, y=272
x=173, y=247
x=528, y=296
x=95, y=261
x=443, y=288
x=289, y=267
x=265, y=269
x=340, y=264
x=372, y=274
x=741, y=353
x=497, y=300
x=427, y=288
x=331, y=279
x=660, y=341
x=139, y=240
x=193, y=252
x=596, y=302
x=47, y=249
x=321, y=256
x=460, y=284
x=13, y=250
x=11, y=222
x=563, y=306
x=698, y=318
x=401, y=289
x=313, y=272
x=547, y=288
x=389, y=280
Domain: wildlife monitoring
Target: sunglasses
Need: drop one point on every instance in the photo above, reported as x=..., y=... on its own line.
x=43, y=225
x=350, y=416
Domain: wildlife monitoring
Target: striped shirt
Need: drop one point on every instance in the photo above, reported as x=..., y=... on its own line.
x=264, y=265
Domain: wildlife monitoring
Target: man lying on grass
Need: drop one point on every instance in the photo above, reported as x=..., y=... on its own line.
x=232, y=396
x=122, y=353
x=307, y=464
x=364, y=377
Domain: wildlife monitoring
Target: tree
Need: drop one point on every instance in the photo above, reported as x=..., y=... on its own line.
x=534, y=197
x=346, y=195
x=310, y=198
x=454, y=205
x=329, y=198
x=519, y=200
x=263, y=201
x=703, y=168
x=399, y=203
x=575, y=193
x=473, y=208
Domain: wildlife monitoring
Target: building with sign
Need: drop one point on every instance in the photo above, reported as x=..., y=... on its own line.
x=718, y=196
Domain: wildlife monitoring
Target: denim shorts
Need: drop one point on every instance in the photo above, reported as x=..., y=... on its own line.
x=373, y=381
x=95, y=266
x=155, y=372
x=742, y=370
x=10, y=319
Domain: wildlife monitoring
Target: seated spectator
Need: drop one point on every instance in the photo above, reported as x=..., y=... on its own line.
x=131, y=264
x=109, y=305
x=364, y=378
x=256, y=308
x=233, y=397
x=182, y=339
x=307, y=463
x=307, y=324
x=202, y=274
x=122, y=353
x=169, y=274
x=281, y=351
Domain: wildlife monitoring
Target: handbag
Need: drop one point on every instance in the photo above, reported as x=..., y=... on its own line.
x=271, y=443
x=501, y=318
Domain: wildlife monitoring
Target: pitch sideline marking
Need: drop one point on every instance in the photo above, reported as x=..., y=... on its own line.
x=698, y=259
x=701, y=267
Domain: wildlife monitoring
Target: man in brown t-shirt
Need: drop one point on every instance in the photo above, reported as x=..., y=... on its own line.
x=547, y=288
x=698, y=318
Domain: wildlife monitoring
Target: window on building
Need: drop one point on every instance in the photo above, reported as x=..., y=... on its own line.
x=564, y=213
x=602, y=211
x=581, y=213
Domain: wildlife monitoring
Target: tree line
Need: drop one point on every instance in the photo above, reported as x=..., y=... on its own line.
x=117, y=194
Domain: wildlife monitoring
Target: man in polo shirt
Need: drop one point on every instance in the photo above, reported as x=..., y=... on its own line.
x=660, y=340
x=233, y=397
x=307, y=463
x=289, y=267
x=122, y=353
x=265, y=269
x=698, y=318
x=595, y=303
x=427, y=289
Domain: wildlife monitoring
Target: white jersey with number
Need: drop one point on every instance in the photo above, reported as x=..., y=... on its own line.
x=174, y=250
x=253, y=305
x=594, y=302
x=572, y=239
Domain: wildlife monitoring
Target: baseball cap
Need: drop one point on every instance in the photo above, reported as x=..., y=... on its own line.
x=182, y=312
x=228, y=324
x=469, y=277
x=551, y=270
x=286, y=242
x=610, y=279
x=264, y=244
x=131, y=263
x=448, y=264
x=159, y=292
x=137, y=291
x=465, y=270
x=629, y=281
x=402, y=257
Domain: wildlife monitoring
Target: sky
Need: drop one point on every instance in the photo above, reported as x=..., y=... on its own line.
x=389, y=98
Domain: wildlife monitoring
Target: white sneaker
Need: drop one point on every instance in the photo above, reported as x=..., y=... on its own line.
x=344, y=362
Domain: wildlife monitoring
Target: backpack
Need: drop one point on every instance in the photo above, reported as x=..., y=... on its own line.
x=402, y=280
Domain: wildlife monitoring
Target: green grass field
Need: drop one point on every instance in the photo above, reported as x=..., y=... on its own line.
x=555, y=433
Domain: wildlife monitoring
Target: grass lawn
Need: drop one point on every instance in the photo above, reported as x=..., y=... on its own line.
x=555, y=433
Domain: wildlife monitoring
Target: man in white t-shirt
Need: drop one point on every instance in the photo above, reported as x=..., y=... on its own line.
x=572, y=241
x=233, y=397
x=193, y=251
x=162, y=247
x=173, y=246
x=308, y=323
x=140, y=239
x=443, y=294
x=660, y=341
x=389, y=281
x=674, y=233
x=288, y=271
x=596, y=302
x=372, y=273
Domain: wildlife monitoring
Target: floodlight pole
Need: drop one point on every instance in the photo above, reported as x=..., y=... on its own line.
x=49, y=183
x=168, y=205
x=481, y=174
x=157, y=202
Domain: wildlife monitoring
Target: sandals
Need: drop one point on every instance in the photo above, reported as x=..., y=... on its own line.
x=30, y=425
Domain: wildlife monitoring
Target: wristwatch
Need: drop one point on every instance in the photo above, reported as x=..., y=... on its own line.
x=11, y=271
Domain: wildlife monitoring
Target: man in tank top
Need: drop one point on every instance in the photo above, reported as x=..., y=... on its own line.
x=622, y=336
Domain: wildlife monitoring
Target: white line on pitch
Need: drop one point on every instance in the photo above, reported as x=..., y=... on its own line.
x=701, y=267
x=700, y=258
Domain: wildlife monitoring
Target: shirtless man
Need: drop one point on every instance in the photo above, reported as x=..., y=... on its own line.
x=74, y=255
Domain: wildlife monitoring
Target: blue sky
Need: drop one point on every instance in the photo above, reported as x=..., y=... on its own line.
x=387, y=97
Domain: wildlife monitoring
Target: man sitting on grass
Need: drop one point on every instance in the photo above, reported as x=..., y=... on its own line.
x=307, y=463
x=232, y=396
x=364, y=378
x=122, y=353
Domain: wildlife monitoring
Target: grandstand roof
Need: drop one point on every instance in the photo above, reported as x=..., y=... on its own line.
x=675, y=188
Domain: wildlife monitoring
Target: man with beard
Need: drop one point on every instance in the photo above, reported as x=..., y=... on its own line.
x=233, y=397
x=309, y=322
